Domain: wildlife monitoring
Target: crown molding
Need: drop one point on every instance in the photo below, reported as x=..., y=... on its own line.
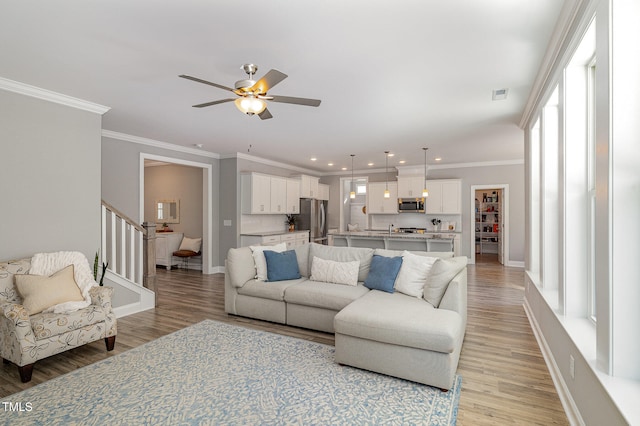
x=273, y=163
x=432, y=167
x=48, y=95
x=158, y=144
x=477, y=164
x=575, y=16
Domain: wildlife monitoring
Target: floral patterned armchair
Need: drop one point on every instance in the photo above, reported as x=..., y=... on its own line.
x=25, y=338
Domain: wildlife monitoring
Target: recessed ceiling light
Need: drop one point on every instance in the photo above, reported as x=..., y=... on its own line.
x=438, y=159
x=370, y=164
x=500, y=94
x=390, y=155
x=330, y=164
x=313, y=158
x=344, y=168
x=402, y=161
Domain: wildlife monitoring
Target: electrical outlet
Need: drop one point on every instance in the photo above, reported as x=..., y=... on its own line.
x=227, y=222
x=572, y=367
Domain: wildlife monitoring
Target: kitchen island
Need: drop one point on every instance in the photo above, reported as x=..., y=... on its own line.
x=396, y=240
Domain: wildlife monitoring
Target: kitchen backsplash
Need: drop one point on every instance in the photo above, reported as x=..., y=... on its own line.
x=262, y=223
x=414, y=220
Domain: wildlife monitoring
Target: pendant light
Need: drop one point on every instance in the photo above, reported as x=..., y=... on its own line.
x=352, y=194
x=425, y=191
x=386, y=174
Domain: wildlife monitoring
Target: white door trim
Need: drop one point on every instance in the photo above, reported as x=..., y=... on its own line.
x=207, y=202
x=505, y=218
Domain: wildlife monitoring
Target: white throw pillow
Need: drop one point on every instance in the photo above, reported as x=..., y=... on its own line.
x=261, y=262
x=192, y=244
x=330, y=271
x=442, y=272
x=413, y=273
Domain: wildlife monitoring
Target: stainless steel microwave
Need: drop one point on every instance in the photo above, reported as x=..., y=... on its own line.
x=411, y=205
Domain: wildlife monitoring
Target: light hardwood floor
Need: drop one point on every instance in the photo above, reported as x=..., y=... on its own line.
x=504, y=378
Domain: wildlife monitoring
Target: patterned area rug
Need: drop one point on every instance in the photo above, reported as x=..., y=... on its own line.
x=216, y=373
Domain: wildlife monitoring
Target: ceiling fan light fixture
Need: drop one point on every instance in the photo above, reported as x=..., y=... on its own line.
x=250, y=105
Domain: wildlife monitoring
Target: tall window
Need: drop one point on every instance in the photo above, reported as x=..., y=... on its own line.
x=591, y=183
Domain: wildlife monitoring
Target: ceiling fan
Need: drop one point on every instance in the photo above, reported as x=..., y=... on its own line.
x=253, y=94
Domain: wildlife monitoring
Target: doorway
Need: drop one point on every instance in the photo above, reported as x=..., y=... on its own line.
x=206, y=214
x=489, y=224
x=353, y=211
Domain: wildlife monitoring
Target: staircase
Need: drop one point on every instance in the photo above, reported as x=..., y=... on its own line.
x=129, y=251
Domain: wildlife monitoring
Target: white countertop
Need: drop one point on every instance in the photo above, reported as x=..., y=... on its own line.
x=395, y=235
x=269, y=233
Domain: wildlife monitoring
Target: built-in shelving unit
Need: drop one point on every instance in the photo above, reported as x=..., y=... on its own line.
x=488, y=221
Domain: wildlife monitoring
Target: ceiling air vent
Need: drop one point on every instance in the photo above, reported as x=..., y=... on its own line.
x=500, y=94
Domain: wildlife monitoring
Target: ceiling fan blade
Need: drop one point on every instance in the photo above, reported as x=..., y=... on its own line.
x=269, y=80
x=206, y=104
x=198, y=80
x=265, y=115
x=297, y=101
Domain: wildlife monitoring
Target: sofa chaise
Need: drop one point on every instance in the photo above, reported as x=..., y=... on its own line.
x=391, y=332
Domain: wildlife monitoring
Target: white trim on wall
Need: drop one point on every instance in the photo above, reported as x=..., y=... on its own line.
x=48, y=95
x=158, y=144
x=207, y=203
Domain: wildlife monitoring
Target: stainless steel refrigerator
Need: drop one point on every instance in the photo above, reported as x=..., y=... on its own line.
x=313, y=217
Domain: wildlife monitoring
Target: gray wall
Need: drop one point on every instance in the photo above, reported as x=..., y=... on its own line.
x=121, y=181
x=512, y=175
x=49, y=177
x=175, y=182
x=229, y=205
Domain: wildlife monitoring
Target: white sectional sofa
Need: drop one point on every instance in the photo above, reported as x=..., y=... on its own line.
x=395, y=333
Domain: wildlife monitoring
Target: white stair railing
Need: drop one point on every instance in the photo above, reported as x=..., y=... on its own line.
x=128, y=248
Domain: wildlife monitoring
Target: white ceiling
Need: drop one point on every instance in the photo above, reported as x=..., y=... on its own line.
x=392, y=75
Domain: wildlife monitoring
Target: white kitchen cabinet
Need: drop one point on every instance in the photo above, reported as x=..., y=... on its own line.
x=166, y=244
x=293, y=196
x=410, y=186
x=308, y=186
x=278, y=195
x=256, y=193
x=377, y=204
x=323, y=192
x=444, y=196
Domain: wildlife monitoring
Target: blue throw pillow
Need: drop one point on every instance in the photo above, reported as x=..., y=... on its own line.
x=383, y=272
x=281, y=266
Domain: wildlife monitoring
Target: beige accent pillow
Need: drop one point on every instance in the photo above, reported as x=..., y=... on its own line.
x=441, y=274
x=192, y=244
x=40, y=292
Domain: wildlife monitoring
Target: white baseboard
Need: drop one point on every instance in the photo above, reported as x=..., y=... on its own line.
x=515, y=263
x=569, y=405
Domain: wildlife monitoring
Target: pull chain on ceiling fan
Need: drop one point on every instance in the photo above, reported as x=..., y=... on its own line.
x=253, y=94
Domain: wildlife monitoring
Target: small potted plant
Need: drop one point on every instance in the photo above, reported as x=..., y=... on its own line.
x=436, y=223
x=291, y=221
